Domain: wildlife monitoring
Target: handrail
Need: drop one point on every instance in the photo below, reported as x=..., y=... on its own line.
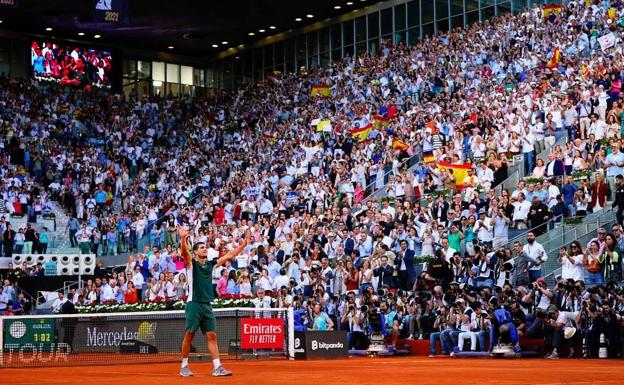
x=511, y=241
x=374, y=192
x=591, y=234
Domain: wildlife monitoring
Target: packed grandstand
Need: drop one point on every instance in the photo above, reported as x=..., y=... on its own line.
x=375, y=184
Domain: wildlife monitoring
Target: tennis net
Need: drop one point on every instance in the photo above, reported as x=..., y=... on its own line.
x=122, y=338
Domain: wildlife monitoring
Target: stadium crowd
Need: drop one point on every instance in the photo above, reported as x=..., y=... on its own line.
x=300, y=172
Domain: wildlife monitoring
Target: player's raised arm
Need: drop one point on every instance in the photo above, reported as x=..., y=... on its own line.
x=233, y=253
x=186, y=254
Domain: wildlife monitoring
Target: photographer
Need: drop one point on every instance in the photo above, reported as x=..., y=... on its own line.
x=482, y=269
x=284, y=299
x=343, y=310
x=438, y=271
x=602, y=320
x=355, y=319
x=542, y=297
x=558, y=323
x=469, y=327
x=449, y=336
x=440, y=324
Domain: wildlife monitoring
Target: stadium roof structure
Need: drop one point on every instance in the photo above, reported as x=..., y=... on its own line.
x=198, y=28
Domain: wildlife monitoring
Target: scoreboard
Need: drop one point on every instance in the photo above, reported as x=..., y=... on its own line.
x=40, y=332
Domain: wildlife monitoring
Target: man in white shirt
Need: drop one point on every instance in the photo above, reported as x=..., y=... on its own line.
x=281, y=280
x=559, y=321
x=483, y=227
x=387, y=209
x=266, y=207
x=553, y=192
x=521, y=212
x=56, y=306
x=446, y=250
x=528, y=150
x=485, y=176
x=106, y=291
x=536, y=252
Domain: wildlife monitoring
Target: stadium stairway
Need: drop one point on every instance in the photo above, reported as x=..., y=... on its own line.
x=58, y=239
x=562, y=234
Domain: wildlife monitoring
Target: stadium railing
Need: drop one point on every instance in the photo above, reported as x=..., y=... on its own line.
x=124, y=337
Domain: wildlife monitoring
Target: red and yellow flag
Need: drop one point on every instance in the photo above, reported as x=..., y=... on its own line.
x=428, y=157
x=380, y=121
x=548, y=10
x=398, y=144
x=320, y=89
x=360, y=133
x=460, y=171
x=553, y=62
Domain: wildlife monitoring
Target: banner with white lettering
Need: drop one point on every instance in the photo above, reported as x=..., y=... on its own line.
x=262, y=333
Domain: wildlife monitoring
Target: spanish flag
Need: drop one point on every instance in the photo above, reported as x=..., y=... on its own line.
x=553, y=62
x=460, y=171
x=548, y=10
x=320, y=89
x=398, y=144
x=268, y=137
x=428, y=157
x=361, y=131
x=380, y=120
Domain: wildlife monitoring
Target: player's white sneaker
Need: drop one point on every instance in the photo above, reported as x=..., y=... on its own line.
x=221, y=372
x=185, y=371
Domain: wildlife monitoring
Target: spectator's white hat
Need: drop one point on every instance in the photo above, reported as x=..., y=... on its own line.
x=569, y=332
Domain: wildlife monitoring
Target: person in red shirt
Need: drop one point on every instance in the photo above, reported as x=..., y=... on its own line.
x=219, y=215
x=131, y=294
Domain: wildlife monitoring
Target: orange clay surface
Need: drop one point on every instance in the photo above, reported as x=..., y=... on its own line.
x=400, y=371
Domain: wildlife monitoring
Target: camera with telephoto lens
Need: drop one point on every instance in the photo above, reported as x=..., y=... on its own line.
x=364, y=309
x=381, y=292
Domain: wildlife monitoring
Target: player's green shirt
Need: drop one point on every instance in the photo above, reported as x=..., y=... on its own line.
x=200, y=285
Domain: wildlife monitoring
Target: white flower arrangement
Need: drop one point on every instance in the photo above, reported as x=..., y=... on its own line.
x=161, y=306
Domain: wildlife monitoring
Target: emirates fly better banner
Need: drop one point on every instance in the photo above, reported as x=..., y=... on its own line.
x=262, y=333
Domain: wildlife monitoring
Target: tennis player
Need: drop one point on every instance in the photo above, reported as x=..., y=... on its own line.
x=199, y=314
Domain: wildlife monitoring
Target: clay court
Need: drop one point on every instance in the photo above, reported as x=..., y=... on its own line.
x=402, y=371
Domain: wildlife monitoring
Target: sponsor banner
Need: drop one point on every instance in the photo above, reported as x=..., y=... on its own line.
x=262, y=333
x=318, y=344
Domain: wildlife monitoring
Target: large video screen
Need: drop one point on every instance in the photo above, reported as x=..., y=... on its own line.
x=71, y=65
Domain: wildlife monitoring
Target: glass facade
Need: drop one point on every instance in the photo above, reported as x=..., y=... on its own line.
x=405, y=22
x=160, y=78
